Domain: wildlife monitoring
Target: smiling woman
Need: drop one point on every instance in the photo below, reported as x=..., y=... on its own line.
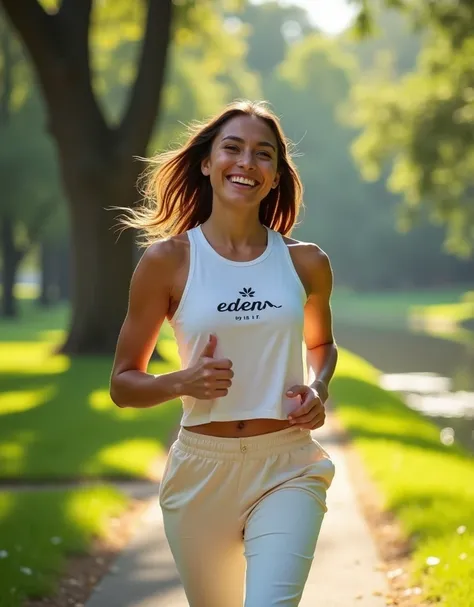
x=179, y=185
x=245, y=303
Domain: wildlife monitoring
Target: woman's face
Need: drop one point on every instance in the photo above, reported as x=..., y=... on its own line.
x=242, y=166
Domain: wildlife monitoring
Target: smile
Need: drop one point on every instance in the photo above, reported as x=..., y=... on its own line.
x=244, y=182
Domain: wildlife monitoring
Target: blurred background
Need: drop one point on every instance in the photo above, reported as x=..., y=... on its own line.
x=378, y=99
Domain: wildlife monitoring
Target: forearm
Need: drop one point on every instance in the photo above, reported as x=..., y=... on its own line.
x=141, y=390
x=321, y=362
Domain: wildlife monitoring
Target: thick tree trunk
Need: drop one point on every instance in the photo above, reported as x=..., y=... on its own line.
x=11, y=259
x=97, y=161
x=102, y=263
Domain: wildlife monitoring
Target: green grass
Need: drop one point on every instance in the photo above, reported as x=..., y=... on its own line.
x=56, y=417
x=57, y=421
x=429, y=486
x=396, y=307
x=38, y=530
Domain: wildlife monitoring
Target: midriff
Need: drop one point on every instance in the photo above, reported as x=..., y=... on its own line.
x=240, y=429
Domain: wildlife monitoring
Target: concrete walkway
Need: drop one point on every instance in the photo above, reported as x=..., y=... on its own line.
x=344, y=571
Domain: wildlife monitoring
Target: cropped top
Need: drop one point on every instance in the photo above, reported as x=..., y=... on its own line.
x=255, y=308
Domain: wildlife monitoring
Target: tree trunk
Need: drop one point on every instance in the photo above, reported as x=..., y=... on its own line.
x=11, y=259
x=101, y=264
x=97, y=160
x=48, y=280
x=64, y=271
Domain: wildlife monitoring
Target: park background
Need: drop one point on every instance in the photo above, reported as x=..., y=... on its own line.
x=378, y=99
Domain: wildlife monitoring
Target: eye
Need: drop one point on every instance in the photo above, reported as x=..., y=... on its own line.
x=266, y=154
x=234, y=148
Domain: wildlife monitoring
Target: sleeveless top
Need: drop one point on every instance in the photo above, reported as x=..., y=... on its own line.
x=255, y=308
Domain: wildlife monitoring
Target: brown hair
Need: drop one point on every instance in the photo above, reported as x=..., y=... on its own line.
x=178, y=197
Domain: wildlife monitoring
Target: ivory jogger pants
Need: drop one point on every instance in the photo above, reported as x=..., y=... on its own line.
x=244, y=514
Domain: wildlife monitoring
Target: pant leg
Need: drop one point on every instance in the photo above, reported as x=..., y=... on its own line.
x=211, y=567
x=280, y=540
x=197, y=498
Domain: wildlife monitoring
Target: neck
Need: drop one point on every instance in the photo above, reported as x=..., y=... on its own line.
x=228, y=228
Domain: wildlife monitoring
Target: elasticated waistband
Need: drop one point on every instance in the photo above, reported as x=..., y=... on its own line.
x=262, y=445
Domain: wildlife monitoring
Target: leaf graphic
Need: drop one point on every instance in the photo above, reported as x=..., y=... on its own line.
x=247, y=292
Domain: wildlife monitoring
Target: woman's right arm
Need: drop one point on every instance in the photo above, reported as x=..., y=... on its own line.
x=131, y=385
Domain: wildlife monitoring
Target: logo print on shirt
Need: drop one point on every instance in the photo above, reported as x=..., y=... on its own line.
x=246, y=306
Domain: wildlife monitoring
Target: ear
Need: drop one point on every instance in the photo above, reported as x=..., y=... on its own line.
x=205, y=167
x=276, y=181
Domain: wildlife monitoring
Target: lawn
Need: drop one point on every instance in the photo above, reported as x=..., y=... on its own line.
x=398, y=307
x=58, y=422
x=429, y=486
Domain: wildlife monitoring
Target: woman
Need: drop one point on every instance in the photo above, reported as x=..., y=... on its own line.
x=243, y=492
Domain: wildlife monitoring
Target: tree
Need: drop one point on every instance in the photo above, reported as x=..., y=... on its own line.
x=354, y=221
x=30, y=197
x=95, y=158
x=423, y=123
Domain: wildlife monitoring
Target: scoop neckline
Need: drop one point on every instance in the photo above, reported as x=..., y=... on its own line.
x=232, y=262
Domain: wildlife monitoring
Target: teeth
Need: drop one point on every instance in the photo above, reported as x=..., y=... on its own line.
x=242, y=180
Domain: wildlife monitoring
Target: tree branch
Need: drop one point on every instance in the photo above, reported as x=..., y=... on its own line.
x=140, y=115
x=36, y=29
x=74, y=16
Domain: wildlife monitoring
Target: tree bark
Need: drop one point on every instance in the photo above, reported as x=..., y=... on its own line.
x=97, y=161
x=11, y=259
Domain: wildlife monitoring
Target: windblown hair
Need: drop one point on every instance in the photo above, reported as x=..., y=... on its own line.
x=178, y=197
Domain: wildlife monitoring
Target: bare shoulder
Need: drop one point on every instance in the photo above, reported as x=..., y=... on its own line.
x=311, y=263
x=309, y=254
x=167, y=251
x=166, y=255
x=156, y=271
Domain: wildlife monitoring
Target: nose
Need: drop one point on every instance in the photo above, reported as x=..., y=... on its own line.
x=246, y=160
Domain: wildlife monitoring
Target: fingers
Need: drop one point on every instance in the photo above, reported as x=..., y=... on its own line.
x=210, y=347
x=309, y=418
x=223, y=374
x=298, y=389
x=314, y=425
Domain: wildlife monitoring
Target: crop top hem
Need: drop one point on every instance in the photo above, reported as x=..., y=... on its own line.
x=195, y=420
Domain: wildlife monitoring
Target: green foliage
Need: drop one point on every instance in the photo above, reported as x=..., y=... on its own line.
x=423, y=124
x=355, y=222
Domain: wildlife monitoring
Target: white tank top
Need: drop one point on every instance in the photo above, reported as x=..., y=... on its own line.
x=255, y=308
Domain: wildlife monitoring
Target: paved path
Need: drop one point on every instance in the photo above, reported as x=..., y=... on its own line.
x=343, y=574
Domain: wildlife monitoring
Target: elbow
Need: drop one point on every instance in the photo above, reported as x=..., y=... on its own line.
x=115, y=394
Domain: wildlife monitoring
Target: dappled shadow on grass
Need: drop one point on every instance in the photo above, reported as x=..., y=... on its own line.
x=78, y=431
x=39, y=529
x=371, y=413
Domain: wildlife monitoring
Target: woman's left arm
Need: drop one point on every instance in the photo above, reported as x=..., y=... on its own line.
x=315, y=270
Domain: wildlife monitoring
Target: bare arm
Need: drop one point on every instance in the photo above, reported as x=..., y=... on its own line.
x=318, y=333
x=130, y=384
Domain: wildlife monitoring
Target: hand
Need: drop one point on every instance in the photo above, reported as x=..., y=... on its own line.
x=311, y=413
x=210, y=377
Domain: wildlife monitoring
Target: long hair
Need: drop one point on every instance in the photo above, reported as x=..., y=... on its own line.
x=178, y=197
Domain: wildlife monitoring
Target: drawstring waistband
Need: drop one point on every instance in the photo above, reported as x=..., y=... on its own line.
x=261, y=445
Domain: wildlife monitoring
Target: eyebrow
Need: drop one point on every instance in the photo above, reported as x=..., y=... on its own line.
x=240, y=140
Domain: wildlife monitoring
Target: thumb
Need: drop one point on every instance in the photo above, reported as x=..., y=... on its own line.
x=295, y=390
x=210, y=346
